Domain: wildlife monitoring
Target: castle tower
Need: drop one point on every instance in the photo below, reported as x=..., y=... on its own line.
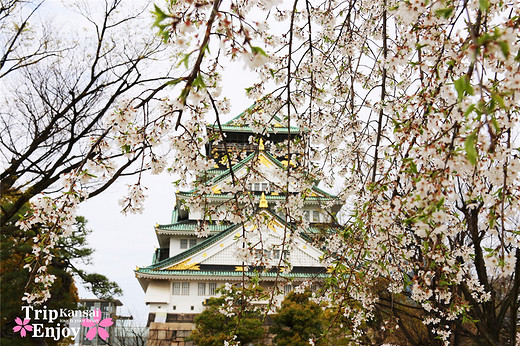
x=187, y=268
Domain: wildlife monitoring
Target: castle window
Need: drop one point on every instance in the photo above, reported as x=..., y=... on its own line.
x=202, y=289
x=316, y=216
x=184, y=243
x=176, y=288
x=212, y=286
x=181, y=288
x=287, y=289
x=258, y=186
x=185, y=288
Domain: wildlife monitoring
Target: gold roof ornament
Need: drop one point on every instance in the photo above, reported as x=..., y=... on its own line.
x=185, y=265
x=263, y=202
x=261, y=144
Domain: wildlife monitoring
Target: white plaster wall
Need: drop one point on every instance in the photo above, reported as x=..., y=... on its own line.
x=175, y=243
x=158, y=292
x=183, y=303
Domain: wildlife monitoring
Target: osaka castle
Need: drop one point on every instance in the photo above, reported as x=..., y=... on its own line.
x=240, y=227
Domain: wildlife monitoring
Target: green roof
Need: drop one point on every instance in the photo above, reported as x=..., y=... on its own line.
x=227, y=273
x=191, y=226
x=250, y=129
x=193, y=250
x=232, y=125
x=267, y=197
x=239, y=165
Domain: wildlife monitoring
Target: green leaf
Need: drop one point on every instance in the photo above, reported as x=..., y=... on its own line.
x=258, y=50
x=174, y=82
x=159, y=15
x=126, y=148
x=463, y=87
x=199, y=82
x=413, y=167
x=483, y=5
x=484, y=39
x=498, y=99
x=185, y=60
x=468, y=111
x=471, y=150
x=504, y=47
x=445, y=12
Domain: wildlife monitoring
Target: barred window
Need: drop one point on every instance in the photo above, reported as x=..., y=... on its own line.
x=202, y=288
x=185, y=288
x=260, y=187
x=184, y=243
x=181, y=288
x=176, y=288
x=212, y=287
x=193, y=242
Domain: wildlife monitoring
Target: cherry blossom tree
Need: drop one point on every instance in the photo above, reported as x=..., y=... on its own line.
x=414, y=105
x=63, y=137
x=408, y=108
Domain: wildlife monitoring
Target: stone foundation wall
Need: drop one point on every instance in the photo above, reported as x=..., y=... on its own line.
x=169, y=334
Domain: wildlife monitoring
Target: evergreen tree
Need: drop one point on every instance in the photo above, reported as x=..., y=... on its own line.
x=226, y=317
x=16, y=250
x=297, y=321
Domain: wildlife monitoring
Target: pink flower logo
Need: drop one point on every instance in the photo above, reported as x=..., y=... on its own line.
x=92, y=332
x=22, y=326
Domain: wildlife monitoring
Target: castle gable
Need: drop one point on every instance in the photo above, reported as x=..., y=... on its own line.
x=267, y=249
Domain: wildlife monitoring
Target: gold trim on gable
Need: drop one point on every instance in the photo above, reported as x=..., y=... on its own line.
x=216, y=190
x=241, y=268
x=184, y=265
x=264, y=161
x=275, y=222
x=285, y=163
